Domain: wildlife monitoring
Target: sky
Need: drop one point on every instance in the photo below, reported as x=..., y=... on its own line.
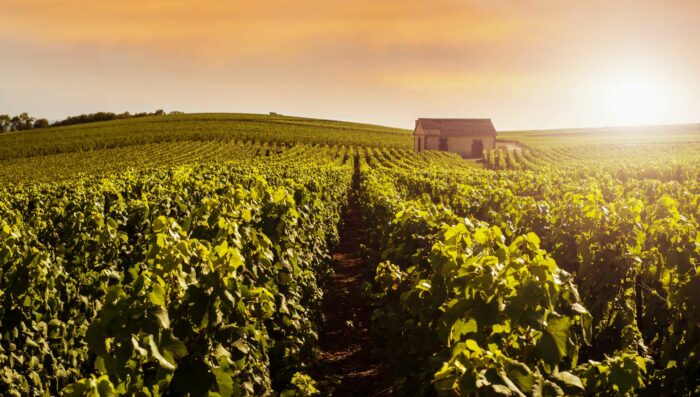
x=527, y=64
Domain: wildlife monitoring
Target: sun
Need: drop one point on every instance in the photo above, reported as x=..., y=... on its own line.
x=636, y=97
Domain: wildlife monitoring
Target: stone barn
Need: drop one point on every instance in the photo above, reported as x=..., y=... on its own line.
x=467, y=137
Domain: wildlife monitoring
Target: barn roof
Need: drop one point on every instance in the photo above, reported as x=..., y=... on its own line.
x=465, y=127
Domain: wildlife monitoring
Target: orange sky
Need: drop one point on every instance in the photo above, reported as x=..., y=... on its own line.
x=526, y=64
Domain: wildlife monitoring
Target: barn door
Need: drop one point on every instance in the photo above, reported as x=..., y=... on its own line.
x=443, y=143
x=477, y=148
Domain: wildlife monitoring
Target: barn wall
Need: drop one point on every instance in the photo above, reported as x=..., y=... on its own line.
x=418, y=135
x=416, y=147
x=432, y=142
x=491, y=142
x=463, y=144
x=457, y=144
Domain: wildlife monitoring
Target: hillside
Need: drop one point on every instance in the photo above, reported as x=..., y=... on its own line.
x=171, y=140
x=57, y=153
x=679, y=133
x=196, y=127
x=618, y=148
x=244, y=255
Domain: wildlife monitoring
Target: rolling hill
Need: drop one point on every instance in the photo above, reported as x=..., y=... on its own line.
x=94, y=148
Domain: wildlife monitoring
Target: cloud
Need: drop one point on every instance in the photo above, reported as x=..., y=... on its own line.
x=517, y=57
x=451, y=83
x=232, y=31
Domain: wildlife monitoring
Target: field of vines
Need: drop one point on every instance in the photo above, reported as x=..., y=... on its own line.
x=199, y=267
x=546, y=278
x=190, y=280
x=273, y=130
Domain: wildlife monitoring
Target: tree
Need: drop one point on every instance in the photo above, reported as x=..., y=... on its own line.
x=41, y=123
x=4, y=123
x=104, y=116
x=21, y=122
x=26, y=122
x=15, y=123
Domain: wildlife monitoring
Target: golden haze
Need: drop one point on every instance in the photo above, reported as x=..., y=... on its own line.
x=537, y=65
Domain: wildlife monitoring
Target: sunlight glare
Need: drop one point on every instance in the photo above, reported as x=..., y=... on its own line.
x=636, y=98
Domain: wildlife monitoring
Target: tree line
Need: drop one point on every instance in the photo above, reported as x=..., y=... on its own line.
x=24, y=121
x=21, y=122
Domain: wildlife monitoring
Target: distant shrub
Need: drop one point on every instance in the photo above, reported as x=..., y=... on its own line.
x=104, y=116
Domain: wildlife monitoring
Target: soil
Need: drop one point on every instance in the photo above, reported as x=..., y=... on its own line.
x=348, y=358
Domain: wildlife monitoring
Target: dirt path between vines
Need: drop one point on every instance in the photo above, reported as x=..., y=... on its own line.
x=345, y=340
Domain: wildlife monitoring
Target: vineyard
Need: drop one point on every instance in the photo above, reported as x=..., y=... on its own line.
x=142, y=259
x=273, y=130
x=551, y=281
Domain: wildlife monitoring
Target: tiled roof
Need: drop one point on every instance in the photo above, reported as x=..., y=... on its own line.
x=458, y=126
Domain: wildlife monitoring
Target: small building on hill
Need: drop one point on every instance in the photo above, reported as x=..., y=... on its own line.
x=467, y=137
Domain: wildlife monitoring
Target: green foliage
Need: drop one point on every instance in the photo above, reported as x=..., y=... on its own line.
x=273, y=130
x=535, y=282
x=303, y=386
x=196, y=280
x=558, y=270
